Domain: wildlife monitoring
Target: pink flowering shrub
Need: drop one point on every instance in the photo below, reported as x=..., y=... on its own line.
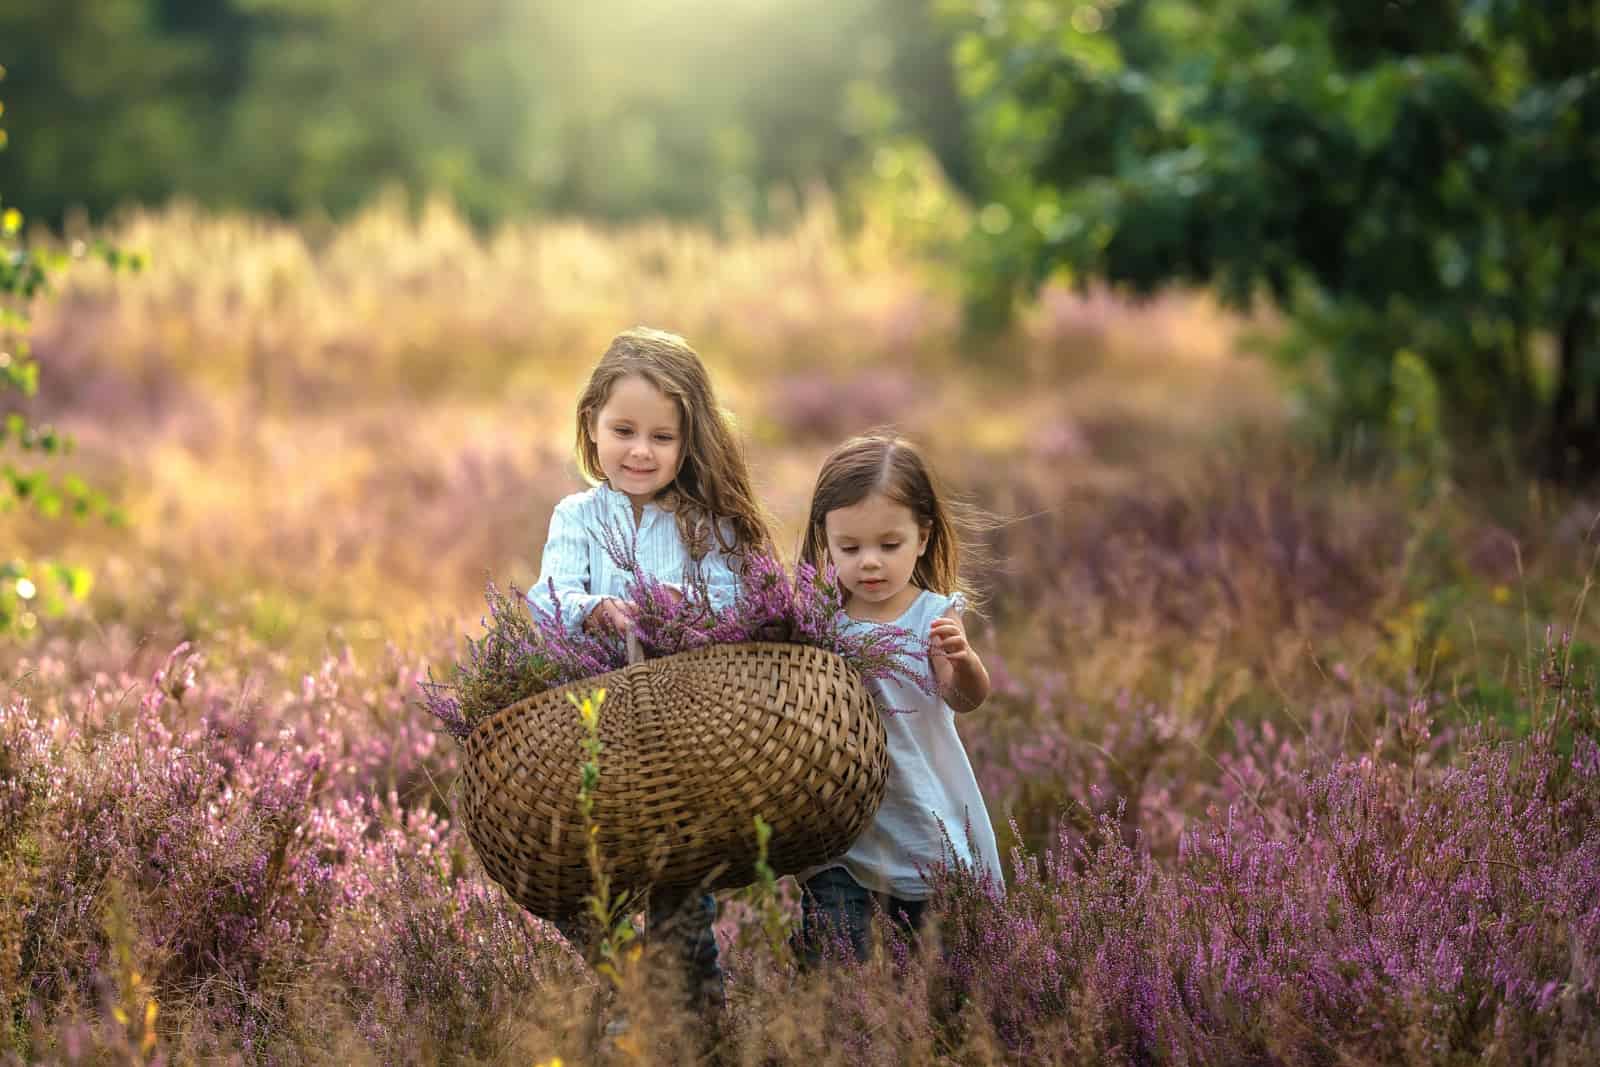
x=829, y=408
x=256, y=866
x=206, y=836
x=423, y=951
x=1374, y=914
x=1454, y=919
x=285, y=895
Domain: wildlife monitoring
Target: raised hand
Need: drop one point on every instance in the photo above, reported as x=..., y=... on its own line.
x=947, y=640
x=961, y=675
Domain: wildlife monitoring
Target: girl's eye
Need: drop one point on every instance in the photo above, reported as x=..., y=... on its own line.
x=663, y=438
x=621, y=431
x=848, y=550
x=890, y=546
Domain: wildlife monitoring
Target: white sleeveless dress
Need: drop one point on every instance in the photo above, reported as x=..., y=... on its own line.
x=930, y=783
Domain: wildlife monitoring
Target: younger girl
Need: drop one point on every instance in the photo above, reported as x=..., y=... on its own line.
x=878, y=515
x=668, y=475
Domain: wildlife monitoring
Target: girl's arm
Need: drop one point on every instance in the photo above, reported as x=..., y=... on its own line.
x=566, y=564
x=961, y=675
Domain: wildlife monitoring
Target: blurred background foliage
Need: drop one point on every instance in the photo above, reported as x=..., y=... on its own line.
x=1405, y=188
x=28, y=485
x=1413, y=182
x=610, y=109
x=1410, y=181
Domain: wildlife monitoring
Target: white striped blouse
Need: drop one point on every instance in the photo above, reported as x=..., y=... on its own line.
x=575, y=556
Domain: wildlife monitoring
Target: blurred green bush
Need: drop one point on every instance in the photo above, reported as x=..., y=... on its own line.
x=1411, y=178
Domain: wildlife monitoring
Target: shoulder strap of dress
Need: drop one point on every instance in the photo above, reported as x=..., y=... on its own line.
x=930, y=605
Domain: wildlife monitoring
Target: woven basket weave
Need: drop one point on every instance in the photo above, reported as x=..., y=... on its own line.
x=696, y=745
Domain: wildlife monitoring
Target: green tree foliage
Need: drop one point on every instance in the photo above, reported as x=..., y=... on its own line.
x=111, y=102
x=27, y=587
x=1413, y=177
x=341, y=96
x=608, y=108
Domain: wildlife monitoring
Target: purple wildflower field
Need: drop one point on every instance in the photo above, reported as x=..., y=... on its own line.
x=1293, y=765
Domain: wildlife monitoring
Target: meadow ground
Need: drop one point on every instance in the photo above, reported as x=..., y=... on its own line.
x=1298, y=761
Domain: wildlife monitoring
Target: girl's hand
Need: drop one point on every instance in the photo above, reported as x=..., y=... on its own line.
x=611, y=614
x=961, y=675
x=947, y=640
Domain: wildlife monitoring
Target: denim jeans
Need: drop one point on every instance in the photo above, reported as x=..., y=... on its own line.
x=832, y=902
x=686, y=923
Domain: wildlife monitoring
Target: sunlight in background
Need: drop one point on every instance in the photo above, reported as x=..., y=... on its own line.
x=610, y=109
x=710, y=100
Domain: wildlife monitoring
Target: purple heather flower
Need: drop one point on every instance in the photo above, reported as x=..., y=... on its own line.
x=525, y=648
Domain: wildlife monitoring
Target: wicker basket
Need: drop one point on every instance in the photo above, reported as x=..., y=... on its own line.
x=696, y=745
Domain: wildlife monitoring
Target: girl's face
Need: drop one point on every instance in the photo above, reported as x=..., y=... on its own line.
x=638, y=433
x=875, y=545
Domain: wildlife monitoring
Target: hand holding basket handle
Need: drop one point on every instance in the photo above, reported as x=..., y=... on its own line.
x=610, y=614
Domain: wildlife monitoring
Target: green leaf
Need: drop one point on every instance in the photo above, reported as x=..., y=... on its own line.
x=77, y=581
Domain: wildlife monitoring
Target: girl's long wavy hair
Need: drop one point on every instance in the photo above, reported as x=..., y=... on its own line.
x=882, y=461
x=712, y=485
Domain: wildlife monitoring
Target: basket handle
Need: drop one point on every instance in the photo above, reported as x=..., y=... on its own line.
x=635, y=650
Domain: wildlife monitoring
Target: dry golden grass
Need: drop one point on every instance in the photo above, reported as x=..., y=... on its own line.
x=359, y=424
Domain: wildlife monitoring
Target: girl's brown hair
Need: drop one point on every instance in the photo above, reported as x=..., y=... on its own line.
x=713, y=480
x=881, y=461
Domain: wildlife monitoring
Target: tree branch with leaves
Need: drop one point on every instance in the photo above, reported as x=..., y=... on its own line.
x=29, y=588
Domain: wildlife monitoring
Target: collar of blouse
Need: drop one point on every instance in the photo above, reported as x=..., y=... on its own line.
x=618, y=504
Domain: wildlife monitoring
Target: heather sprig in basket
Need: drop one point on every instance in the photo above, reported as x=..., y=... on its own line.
x=758, y=709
